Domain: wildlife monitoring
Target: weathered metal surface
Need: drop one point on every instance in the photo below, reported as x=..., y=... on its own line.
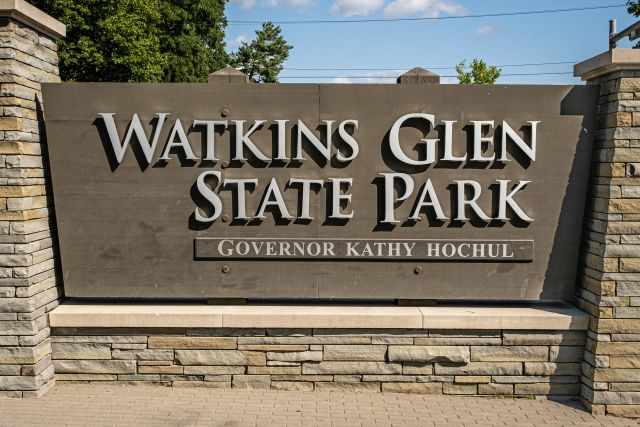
x=128, y=231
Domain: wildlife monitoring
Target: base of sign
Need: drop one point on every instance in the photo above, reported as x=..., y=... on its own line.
x=508, y=351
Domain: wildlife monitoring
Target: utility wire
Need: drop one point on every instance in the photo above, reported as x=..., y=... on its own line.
x=428, y=18
x=440, y=67
x=394, y=77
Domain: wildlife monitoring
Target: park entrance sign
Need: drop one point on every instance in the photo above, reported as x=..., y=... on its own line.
x=319, y=191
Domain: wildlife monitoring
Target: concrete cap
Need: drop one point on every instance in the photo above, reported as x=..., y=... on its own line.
x=418, y=75
x=608, y=62
x=25, y=13
x=228, y=75
x=316, y=316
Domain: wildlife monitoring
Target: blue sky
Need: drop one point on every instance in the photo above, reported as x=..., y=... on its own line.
x=573, y=36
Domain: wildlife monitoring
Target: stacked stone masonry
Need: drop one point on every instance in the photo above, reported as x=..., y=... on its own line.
x=506, y=363
x=610, y=285
x=28, y=286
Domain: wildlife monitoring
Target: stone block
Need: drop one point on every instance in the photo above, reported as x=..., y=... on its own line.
x=481, y=368
x=218, y=378
x=535, y=379
x=427, y=354
x=628, y=411
x=549, y=338
x=347, y=378
x=621, y=386
x=509, y=354
x=616, y=398
x=220, y=357
x=252, y=382
x=628, y=289
x=348, y=387
x=171, y=370
x=631, y=362
x=275, y=347
x=354, y=352
x=616, y=375
x=471, y=379
x=617, y=348
x=292, y=385
x=182, y=342
x=548, y=389
x=200, y=384
x=373, y=368
x=297, y=356
x=469, y=389
x=389, y=378
x=214, y=370
x=549, y=368
x=24, y=355
x=417, y=388
x=95, y=366
x=310, y=378
x=417, y=369
x=496, y=389
x=86, y=377
x=566, y=354
x=80, y=351
x=627, y=312
x=142, y=354
x=274, y=370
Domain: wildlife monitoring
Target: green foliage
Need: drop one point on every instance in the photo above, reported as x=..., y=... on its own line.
x=633, y=7
x=139, y=40
x=192, y=38
x=261, y=59
x=480, y=73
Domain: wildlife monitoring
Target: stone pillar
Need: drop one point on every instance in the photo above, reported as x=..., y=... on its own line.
x=610, y=272
x=28, y=282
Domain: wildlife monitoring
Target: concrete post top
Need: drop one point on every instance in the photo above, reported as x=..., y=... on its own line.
x=608, y=62
x=228, y=74
x=23, y=12
x=418, y=75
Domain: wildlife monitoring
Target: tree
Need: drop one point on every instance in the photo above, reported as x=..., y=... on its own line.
x=192, y=38
x=139, y=40
x=480, y=73
x=633, y=7
x=262, y=58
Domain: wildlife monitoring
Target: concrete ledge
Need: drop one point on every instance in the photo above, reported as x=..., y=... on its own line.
x=315, y=316
x=24, y=12
x=607, y=62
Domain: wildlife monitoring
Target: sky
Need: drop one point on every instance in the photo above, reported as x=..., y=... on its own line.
x=399, y=46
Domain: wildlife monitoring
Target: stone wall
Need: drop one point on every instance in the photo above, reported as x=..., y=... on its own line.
x=520, y=363
x=28, y=285
x=610, y=289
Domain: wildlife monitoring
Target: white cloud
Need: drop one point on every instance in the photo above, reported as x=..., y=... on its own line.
x=245, y=4
x=484, y=30
x=356, y=7
x=249, y=4
x=430, y=8
x=289, y=3
x=236, y=42
x=373, y=79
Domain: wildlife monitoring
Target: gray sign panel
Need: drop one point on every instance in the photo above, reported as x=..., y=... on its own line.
x=432, y=163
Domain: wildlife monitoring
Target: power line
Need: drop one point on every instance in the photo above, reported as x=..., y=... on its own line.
x=427, y=18
x=394, y=77
x=440, y=67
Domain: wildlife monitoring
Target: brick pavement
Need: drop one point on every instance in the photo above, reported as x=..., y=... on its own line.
x=140, y=405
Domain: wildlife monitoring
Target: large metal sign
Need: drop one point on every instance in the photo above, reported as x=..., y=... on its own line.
x=194, y=191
